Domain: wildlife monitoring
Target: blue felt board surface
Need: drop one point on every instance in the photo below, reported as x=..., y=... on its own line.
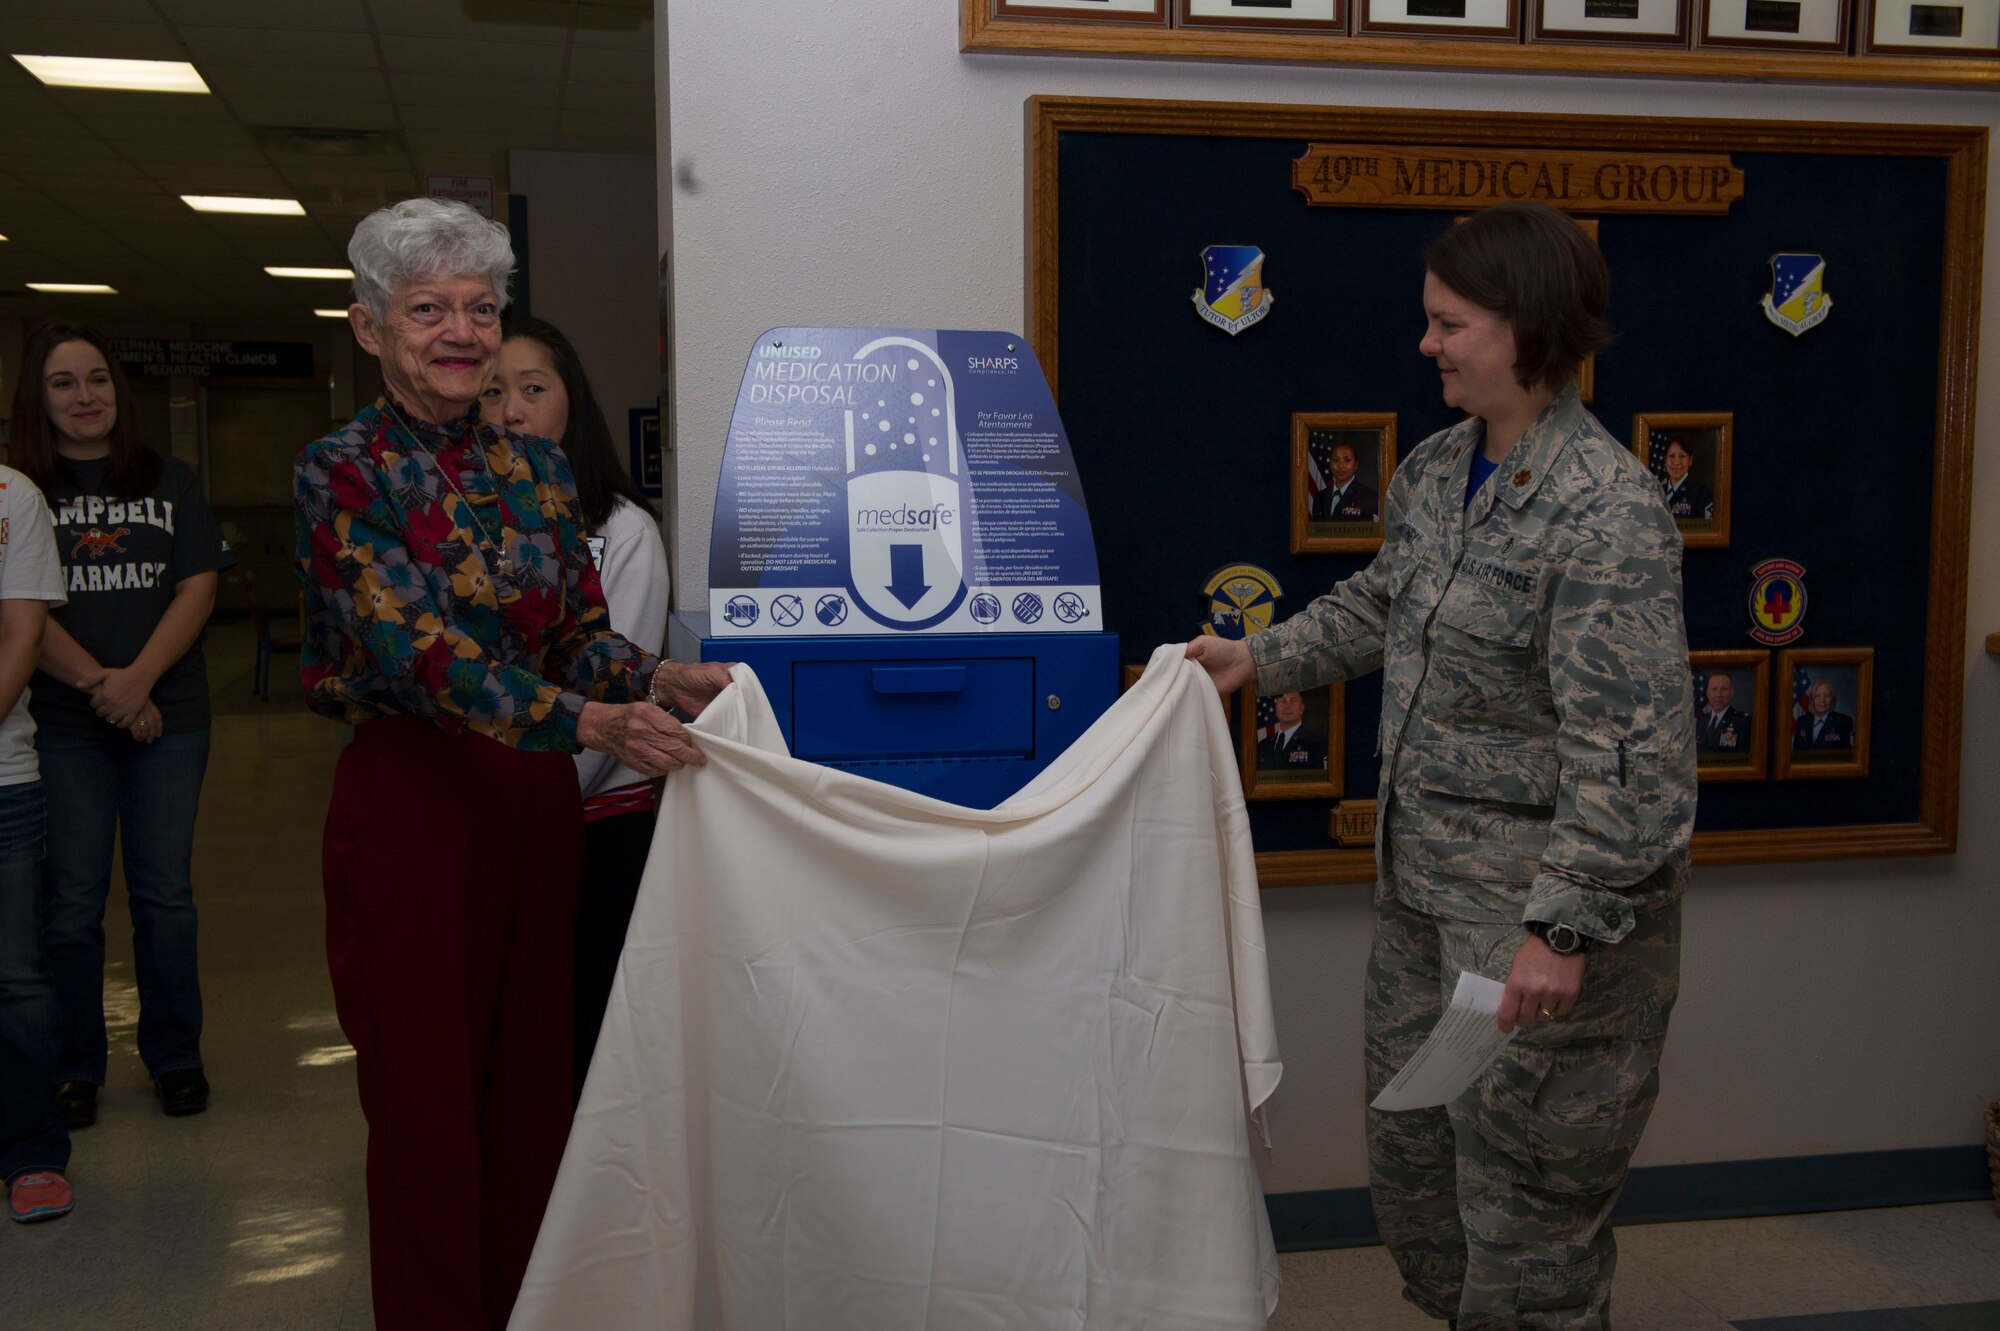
x=1181, y=432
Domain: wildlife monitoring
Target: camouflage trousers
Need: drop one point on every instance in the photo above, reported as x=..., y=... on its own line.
x=1495, y=1207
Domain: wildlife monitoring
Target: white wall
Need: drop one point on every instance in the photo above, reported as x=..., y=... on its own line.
x=592, y=243
x=844, y=164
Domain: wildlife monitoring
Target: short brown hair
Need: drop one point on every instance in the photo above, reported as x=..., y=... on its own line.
x=1534, y=267
x=135, y=468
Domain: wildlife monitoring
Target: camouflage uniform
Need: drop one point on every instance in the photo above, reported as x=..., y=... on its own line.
x=1537, y=748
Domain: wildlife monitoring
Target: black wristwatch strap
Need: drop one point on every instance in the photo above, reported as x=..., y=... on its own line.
x=1562, y=939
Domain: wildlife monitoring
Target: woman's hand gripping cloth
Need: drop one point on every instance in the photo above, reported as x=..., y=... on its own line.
x=875, y=1061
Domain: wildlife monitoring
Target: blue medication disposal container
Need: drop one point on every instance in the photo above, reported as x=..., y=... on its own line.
x=902, y=552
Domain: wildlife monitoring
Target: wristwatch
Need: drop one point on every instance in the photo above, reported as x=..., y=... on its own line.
x=1562, y=939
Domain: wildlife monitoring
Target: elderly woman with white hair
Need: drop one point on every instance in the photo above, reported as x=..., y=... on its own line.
x=455, y=619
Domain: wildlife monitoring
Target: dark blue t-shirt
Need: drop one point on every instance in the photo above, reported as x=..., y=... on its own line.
x=1481, y=469
x=121, y=560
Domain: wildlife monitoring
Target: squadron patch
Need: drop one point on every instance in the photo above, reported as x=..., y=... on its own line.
x=1777, y=601
x=1241, y=600
x=1232, y=295
x=1797, y=299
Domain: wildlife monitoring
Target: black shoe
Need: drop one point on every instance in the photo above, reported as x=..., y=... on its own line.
x=182, y=1091
x=78, y=1102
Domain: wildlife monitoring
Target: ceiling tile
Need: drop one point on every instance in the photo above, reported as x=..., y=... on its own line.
x=85, y=175
x=449, y=94
x=475, y=20
x=115, y=11
x=150, y=107
x=498, y=123
x=632, y=101
x=63, y=188
x=627, y=25
x=334, y=171
x=634, y=129
x=263, y=182
x=194, y=137
x=280, y=46
x=127, y=41
x=428, y=145
x=611, y=64
x=180, y=154
x=296, y=81
x=307, y=113
x=445, y=60
x=345, y=15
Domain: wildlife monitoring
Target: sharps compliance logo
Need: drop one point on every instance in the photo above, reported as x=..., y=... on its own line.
x=906, y=522
x=1233, y=295
x=1797, y=299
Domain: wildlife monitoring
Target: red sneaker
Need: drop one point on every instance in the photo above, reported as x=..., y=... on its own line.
x=42, y=1196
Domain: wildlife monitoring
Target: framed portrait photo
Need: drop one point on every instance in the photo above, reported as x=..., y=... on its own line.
x=1341, y=464
x=1732, y=704
x=1114, y=11
x=1823, y=716
x=1774, y=25
x=1688, y=453
x=1300, y=15
x=1930, y=27
x=1616, y=22
x=1457, y=19
x=1293, y=744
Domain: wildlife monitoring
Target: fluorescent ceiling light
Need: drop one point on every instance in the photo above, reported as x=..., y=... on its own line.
x=229, y=203
x=74, y=288
x=332, y=314
x=73, y=71
x=3, y=237
x=343, y=274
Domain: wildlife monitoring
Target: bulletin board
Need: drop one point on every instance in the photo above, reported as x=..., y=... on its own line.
x=1850, y=443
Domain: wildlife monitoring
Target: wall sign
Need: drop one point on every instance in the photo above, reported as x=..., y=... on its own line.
x=159, y=357
x=889, y=481
x=1371, y=175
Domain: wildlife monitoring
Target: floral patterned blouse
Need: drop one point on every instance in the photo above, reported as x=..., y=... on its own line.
x=474, y=607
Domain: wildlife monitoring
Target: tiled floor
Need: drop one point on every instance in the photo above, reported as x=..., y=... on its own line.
x=251, y=1215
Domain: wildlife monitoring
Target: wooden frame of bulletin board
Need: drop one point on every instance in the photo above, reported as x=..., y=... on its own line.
x=1002, y=26
x=1114, y=242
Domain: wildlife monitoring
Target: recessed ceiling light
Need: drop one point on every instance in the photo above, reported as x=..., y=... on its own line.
x=74, y=288
x=343, y=274
x=228, y=203
x=73, y=71
x=332, y=314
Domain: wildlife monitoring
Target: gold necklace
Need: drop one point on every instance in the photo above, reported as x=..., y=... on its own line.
x=498, y=563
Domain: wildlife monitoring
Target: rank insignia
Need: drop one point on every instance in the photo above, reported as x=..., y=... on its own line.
x=1777, y=601
x=1232, y=295
x=1797, y=299
x=1522, y=477
x=1241, y=599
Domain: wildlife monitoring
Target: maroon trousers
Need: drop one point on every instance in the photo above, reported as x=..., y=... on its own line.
x=451, y=866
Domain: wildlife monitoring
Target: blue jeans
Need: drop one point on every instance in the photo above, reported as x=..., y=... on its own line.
x=149, y=793
x=32, y=1136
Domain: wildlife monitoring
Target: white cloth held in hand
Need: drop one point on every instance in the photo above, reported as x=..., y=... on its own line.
x=876, y=1061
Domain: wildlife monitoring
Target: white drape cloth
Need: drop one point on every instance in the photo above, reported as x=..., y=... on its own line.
x=875, y=1062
